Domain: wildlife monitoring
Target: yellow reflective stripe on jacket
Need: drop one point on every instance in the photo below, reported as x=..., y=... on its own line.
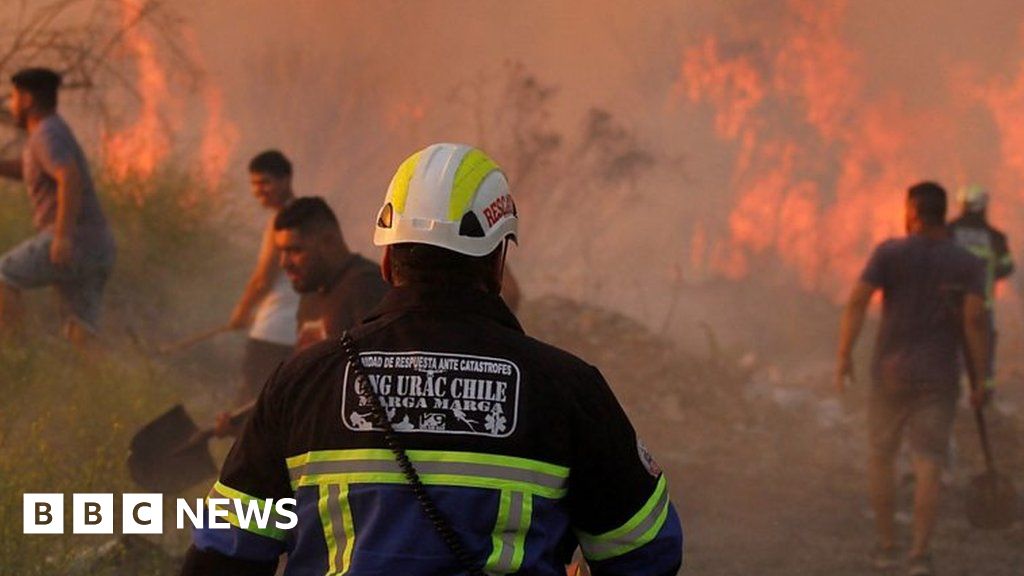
x=508, y=541
x=474, y=167
x=637, y=531
x=434, y=467
x=220, y=490
x=339, y=529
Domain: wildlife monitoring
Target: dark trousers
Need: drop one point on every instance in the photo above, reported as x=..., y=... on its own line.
x=258, y=364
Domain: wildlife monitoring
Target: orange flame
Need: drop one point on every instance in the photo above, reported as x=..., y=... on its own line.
x=815, y=196
x=1003, y=98
x=138, y=150
x=219, y=139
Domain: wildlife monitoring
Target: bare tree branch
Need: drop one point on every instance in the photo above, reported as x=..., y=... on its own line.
x=81, y=39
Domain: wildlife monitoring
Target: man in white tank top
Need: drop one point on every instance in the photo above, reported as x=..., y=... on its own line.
x=269, y=304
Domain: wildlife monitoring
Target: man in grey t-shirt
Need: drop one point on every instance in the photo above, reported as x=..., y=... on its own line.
x=933, y=303
x=73, y=249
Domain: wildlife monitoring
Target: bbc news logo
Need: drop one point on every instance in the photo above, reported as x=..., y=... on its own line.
x=143, y=513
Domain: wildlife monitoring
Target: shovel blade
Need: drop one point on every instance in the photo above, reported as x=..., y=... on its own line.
x=992, y=502
x=159, y=463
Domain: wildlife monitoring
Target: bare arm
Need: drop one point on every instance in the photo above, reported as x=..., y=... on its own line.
x=69, y=204
x=10, y=169
x=259, y=283
x=849, y=330
x=69, y=198
x=978, y=347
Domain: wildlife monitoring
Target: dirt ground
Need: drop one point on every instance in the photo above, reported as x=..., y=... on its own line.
x=766, y=465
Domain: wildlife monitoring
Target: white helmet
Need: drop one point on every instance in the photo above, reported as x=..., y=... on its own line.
x=973, y=198
x=448, y=195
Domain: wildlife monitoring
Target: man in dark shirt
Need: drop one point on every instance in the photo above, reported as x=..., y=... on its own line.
x=933, y=299
x=338, y=287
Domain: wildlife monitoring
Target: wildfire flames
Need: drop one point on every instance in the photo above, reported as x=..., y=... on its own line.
x=139, y=149
x=819, y=153
x=820, y=164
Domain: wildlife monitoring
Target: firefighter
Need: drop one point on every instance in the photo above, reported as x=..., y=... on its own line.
x=972, y=231
x=517, y=451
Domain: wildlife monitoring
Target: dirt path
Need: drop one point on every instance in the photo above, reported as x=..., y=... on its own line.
x=768, y=469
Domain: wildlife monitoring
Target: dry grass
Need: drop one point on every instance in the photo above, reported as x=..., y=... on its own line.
x=66, y=419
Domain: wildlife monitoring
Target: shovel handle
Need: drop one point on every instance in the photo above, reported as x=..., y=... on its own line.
x=979, y=418
x=194, y=339
x=238, y=416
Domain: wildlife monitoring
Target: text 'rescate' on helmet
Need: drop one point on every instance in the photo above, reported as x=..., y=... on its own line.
x=974, y=198
x=448, y=195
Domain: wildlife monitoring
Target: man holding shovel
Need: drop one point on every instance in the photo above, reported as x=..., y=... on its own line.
x=933, y=299
x=268, y=305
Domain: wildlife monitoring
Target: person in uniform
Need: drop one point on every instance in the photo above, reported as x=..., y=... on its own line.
x=436, y=437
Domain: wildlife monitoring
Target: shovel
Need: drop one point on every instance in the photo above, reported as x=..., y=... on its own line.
x=991, y=500
x=192, y=340
x=170, y=453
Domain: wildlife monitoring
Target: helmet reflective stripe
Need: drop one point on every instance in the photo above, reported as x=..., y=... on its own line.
x=399, y=189
x=473, y=168
x=448, y=195
x=973, y=197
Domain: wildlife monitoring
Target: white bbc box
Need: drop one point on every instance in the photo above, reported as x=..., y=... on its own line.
x=92, y=513
x=43, y=513
x=142, y=514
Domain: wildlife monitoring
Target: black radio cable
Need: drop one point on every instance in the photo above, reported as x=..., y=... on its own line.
x=441, y=524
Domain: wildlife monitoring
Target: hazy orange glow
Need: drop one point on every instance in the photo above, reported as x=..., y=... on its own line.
x=1003, y=98
x=406, y=112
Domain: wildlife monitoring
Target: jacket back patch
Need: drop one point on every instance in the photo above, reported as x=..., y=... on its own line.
x=434, y=393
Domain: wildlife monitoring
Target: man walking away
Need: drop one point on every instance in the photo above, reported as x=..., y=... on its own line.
x=73, y=248
x=933, y=296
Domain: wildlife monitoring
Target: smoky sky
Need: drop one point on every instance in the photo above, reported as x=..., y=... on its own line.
x=348, y=89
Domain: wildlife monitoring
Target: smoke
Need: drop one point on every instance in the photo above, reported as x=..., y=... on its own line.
x=650, y=149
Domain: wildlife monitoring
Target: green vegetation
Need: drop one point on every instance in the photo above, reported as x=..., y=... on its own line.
x=66, y=419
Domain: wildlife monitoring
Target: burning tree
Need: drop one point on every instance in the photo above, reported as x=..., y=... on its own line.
x=118, y=55
x=81, y=39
